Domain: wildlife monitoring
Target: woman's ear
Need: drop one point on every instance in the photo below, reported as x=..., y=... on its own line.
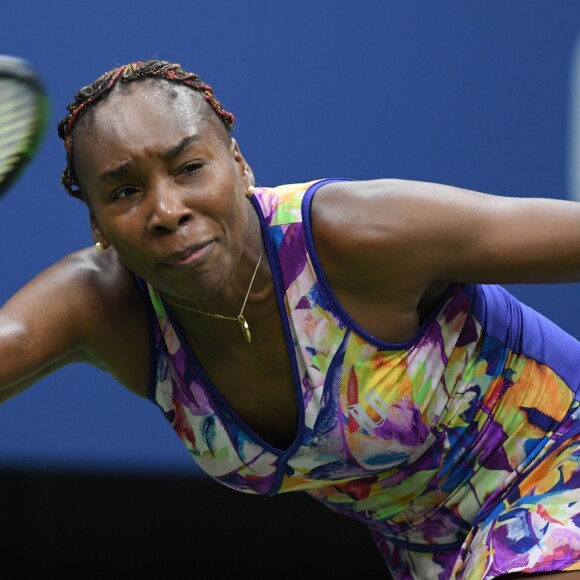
x=101, y=241
x=246, y=170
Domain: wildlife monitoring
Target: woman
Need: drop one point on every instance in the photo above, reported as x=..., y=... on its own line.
x=339, y=337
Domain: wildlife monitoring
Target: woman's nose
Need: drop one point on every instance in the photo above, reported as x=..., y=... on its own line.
x=168, y=210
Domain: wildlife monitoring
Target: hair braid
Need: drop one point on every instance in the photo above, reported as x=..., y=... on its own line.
x=102, y=87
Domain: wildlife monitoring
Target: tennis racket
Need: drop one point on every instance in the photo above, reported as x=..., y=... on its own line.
x=23, y=116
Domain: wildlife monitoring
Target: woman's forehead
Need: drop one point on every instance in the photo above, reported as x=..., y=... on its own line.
x=148, y=101
x=141, y=123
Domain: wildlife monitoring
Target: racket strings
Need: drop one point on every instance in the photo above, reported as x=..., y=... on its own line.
x=19, y=114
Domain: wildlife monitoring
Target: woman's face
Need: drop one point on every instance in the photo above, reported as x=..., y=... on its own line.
x=165, y=186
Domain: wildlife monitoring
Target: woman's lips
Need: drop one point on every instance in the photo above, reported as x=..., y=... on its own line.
x=188, y=257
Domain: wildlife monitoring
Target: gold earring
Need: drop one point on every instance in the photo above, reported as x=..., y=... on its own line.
x=251, y=190
x=99, y=246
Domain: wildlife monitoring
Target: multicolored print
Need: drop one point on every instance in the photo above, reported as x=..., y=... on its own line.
x=459, y=448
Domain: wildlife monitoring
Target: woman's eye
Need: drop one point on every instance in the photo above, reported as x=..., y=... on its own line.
x=123, y=192
x=189, y=168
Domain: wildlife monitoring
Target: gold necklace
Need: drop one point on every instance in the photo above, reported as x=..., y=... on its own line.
x=240, y=317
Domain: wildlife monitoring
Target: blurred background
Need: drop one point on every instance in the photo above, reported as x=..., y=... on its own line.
x=482, y=95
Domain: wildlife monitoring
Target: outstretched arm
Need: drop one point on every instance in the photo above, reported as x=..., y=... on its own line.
x=82, y=309
x=439, y=232
x=394, y=245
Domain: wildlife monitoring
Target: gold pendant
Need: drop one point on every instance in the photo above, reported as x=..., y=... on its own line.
x=245, y=328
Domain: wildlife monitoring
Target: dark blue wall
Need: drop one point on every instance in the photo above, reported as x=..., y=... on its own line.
x=471, y=94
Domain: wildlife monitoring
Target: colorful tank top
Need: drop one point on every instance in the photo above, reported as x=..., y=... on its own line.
x=446, y=445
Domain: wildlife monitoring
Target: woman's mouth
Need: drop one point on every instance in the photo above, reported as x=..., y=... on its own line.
x=188, y=257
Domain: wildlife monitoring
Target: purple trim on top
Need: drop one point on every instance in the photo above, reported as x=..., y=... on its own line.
x=342, y=313
x=153, y=336
x=527, y=332
x=280, y=299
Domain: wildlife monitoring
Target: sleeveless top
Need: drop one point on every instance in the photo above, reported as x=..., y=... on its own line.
x=428, y=442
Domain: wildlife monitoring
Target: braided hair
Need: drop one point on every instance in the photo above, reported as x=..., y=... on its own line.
x=99, y=90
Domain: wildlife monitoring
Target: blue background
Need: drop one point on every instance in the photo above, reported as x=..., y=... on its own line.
x=474, y=94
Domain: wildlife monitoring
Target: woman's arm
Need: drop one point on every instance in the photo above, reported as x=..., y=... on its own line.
x=82, y=309
x=438, y=232
x=388, y=246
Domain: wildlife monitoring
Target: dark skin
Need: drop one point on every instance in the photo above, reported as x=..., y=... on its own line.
x=167, y=197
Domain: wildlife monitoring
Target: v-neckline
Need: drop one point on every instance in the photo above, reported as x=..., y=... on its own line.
x=223, y=405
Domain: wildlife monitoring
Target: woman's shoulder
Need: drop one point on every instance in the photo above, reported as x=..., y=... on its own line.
x=113, y=311
x=94, y=275
x=107, y=286
x=363, y=234
x=356, y=216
